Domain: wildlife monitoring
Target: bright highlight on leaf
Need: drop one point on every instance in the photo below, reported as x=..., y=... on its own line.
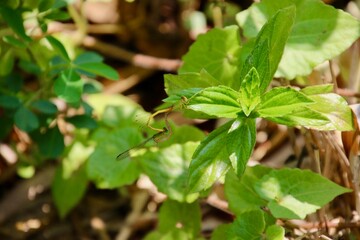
x=329, y=33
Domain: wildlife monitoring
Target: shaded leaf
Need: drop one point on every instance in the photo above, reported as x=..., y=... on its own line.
x=240, y=142
x=26, y=120
x=240, y=192
x=210, y=160
x=168, y=170
x=103, y=168
x=9, y=102
x=14, y=19
x=50, y=143
x=44, y=106
x=294, y=193
x=70, y=181
x=82, y=121
x=174, y=215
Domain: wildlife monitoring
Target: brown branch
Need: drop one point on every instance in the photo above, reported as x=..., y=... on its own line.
x=139, y=60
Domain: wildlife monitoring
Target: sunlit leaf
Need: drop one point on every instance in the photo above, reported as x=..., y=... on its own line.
x=217, y=52
x=320, y=33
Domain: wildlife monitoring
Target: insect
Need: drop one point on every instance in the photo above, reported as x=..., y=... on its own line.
x=162, y=134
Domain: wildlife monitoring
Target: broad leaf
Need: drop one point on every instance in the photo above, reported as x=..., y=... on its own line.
x=318, y=89
x=302, y=117
x=88, y=57
x=294, y=193
x=9, y=102
x=281, y=101
x=336, y=109
x=240, y=142
x=26, y=120
x=50, y=142
x=275, y=232
x=168, y=170
x=176, y=83
x=44, y=106
x=217, y=52
x=103, y=168
x=320, y=33
x=220, y=101
x=241, y=194
x=69, y=86
x=250, y=92
x=82, y=121
x=70, y=180
x=100, y=69
x=249, y=225
x=210, y=160
x=269, y=46
x=174, y=215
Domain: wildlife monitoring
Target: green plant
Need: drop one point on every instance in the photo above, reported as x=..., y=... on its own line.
x=220, y=78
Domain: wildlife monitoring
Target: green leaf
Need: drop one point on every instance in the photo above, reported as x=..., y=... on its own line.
x=100, y=69
x=70, y=180
x=219, y=101
x=249, y=225
x=14, y=41
x=318, y=89
x=13, y=82
x=269, y=46
x=281, y=101
x=9, y=102
x=302, y=117
x=176, y=83
x=57, y=15
x=26, y=120
x=241, y=194
x=14, y=19
x=88, y=57
x=319, y=34
x=7, y=62
x=336, y=109
x=174, y=215
x=210, y=160
x=221, y=232
x=250, y=92
x=58, y=47
x=217, y=52
x=240, y=142
x=103, y=168
x=168, y=170
x=50, y=143
x=294, y=193
x=45, y=106
x=328, y=112
x=275, y=232
x=69, y=86
x=82, y=121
